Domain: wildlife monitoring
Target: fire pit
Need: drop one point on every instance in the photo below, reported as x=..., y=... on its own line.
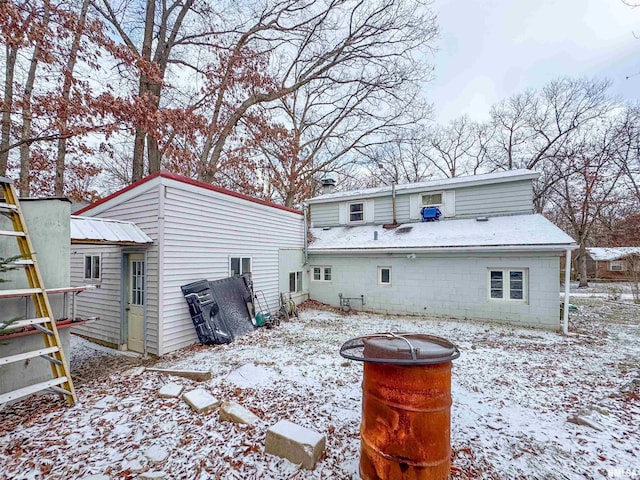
x=406, y=403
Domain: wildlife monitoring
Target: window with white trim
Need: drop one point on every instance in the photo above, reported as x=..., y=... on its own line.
x=431, y=199
x=384, y=275
x=239, y=265
x=92, y=267
x=295, y=282
x=616, y=266
x=508, y=284
x=321, y=274
x=356, y=212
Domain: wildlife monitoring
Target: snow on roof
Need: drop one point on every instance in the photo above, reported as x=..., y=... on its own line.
x=513, y=231
x=612, y=253
x=487, y=178
x=102, y=230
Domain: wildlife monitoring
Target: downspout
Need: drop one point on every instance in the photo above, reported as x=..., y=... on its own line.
x=393, y=200
x=306, y=233
x=567, y=285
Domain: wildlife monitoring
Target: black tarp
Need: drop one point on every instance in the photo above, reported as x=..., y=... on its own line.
x=220, y=309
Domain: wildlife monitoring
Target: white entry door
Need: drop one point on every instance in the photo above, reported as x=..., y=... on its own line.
x=135, y=302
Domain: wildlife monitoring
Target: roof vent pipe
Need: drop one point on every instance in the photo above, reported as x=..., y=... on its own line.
x=375, y=235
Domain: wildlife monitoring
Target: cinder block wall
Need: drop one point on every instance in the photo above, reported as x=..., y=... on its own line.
x=448, y=285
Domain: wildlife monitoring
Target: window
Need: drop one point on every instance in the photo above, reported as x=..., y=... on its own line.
x=616, y=266
x=506, y=284
x=92, y=267
x=321, y=274
x=384, y=275
x=137, y=283
x=239, y=265
x=431, y=199
x=356, y=212
x=295, y=281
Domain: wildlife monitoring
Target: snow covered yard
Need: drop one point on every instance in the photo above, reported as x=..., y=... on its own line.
x=513, y=390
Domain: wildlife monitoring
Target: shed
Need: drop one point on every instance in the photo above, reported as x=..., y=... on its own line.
x=142, y=243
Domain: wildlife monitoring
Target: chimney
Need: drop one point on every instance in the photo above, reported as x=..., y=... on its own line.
x=328, y=185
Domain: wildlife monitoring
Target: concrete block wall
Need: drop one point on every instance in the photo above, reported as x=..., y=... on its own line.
x=451, y=285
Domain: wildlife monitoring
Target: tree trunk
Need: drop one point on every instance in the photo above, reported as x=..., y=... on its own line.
x=27, y=115
x=66, y=95
x=582, y=265
x=138, y=155
x=7, y=104
x=153, y=152
x=140, y=138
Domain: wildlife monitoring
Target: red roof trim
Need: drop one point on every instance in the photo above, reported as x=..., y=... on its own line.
x=188, y=181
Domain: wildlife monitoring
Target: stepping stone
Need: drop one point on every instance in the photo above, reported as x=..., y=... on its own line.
x=132, y=372
x=171, y=390
x=152, y=476
x=156, y=454
x=201, y=400
x=134, y=465
x=197, y=375
x=297, y=444
x=231, y=411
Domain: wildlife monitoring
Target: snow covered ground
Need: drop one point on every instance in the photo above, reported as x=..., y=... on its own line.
x=513, y=390
x=609, y=290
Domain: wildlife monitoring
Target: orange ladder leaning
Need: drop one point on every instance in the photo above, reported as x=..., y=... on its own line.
x=44, y=322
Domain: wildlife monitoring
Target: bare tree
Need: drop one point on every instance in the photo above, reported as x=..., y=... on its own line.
x=340, y=52
x=587, y=186
x=533, y=128
x=163, y=29
x=327, y=126
x=458, y=148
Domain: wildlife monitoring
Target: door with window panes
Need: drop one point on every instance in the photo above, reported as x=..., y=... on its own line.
x=136, y=285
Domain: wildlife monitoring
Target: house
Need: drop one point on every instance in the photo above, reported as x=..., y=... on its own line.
x=142, y=243
x=612, y=263
x=489, y=257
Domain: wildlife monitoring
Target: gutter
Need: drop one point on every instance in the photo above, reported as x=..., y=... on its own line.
x=490, y=248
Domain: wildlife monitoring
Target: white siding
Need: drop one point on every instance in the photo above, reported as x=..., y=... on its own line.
x=323, y=214
x=142, y=209
x=506, y=198
x=446, y=284
x=292, y=260
x=103, y=302
x=201, y=230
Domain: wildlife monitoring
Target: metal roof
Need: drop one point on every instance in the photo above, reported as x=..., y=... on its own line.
x=103, y=230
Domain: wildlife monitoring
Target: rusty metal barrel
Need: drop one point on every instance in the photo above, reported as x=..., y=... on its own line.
x=406, y=405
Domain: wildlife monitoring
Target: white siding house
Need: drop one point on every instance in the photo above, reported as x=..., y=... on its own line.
x=197, y=231
x=488, y=258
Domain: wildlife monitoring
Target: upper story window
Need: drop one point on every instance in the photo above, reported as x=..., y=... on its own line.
x=432, y=199
x=356, y=212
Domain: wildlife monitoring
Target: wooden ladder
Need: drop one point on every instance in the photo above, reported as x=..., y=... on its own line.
x=44, y=322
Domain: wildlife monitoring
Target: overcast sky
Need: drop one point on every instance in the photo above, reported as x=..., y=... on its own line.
x=490, y=49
